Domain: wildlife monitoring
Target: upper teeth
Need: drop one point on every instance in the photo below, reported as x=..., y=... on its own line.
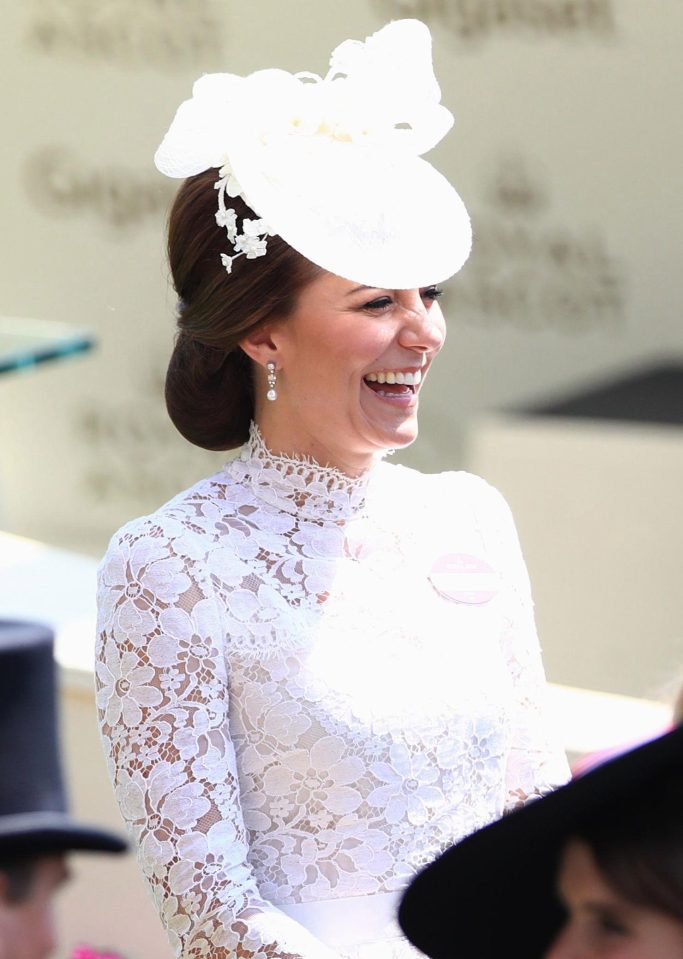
x=409, y=378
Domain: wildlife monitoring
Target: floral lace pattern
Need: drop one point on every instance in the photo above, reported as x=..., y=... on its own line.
x=292, y=711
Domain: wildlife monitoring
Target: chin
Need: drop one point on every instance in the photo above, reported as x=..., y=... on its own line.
x=404, y=439
x=398, y=438
x=389, y=428
x=380, y=433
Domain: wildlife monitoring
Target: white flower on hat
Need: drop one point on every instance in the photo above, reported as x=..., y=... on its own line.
x=232, y=187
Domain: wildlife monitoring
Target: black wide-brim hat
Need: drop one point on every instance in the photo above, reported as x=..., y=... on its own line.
x=493, y=893
x=34, y=818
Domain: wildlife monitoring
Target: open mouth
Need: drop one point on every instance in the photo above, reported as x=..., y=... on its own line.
x=394, y=382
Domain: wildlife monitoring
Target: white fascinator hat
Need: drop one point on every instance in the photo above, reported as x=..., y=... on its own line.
x=334, y=165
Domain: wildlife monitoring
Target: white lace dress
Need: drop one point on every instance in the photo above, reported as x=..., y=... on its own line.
x=308, y=686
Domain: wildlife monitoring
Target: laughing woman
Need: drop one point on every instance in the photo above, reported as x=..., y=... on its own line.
x=316, y=670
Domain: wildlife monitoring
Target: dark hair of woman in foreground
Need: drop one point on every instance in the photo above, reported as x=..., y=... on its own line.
x=209, y=383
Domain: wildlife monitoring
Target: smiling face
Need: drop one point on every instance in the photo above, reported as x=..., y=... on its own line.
x=351, y=362
x=601, y=924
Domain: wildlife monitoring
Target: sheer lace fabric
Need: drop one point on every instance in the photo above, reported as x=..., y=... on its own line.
x=308, y=686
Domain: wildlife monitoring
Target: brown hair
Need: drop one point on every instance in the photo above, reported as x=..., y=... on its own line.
x=209, y=391
x=678, y=707
x=639, y=847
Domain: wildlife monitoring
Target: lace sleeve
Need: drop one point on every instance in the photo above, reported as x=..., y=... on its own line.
x=536, y=763
x=162, y=696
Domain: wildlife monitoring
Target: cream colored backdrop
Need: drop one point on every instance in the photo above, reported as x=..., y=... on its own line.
x=567, y=148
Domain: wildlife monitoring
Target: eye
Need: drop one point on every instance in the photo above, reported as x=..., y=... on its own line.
x=431, y=293
x=611, y=925
x=381, y=303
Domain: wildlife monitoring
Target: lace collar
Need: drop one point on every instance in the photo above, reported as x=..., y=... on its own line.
x=299, y=485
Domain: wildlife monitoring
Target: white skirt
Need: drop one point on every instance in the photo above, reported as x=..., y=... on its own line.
x=364, y=927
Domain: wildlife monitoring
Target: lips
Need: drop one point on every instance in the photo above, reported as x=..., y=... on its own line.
x=391, y=389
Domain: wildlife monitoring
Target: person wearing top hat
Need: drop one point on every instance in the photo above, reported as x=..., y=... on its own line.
x=316, y=669
x=36, y=829
x=591, y=871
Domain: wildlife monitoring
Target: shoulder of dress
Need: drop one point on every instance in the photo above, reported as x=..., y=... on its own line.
x=451, y=496
x=447, y=483
x=493, y=514
x=178, y=520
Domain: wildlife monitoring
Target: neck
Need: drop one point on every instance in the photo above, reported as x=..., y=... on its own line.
x=301, y=445
x=296, y=484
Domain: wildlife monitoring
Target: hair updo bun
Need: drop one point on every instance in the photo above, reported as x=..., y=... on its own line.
x=209, y=390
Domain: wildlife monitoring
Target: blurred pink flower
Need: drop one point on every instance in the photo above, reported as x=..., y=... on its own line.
x=87, y=952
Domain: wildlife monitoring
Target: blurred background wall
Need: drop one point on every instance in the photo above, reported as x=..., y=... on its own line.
x=567, y=149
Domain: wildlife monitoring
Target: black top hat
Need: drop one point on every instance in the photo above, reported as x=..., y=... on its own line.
x=34, y=820
x=493, y=893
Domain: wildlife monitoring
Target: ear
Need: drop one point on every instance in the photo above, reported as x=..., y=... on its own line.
x=259, y=345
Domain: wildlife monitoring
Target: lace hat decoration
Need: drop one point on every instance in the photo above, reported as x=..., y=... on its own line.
x=332, y=164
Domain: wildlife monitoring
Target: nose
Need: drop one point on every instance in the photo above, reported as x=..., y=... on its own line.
x=423, y=329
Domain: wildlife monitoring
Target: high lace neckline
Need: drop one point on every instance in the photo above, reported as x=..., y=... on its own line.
x=298, y=484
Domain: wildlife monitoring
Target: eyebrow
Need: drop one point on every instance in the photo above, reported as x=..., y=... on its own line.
x=358, y=289
x=594, y=906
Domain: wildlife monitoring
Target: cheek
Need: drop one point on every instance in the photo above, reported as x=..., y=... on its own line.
x=361, y=350
x=439, y=323
x=336, y=363
x=40, y=931
x=661, y=937
x=26, y=932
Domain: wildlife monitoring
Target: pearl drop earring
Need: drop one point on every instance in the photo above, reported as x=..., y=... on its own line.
x=272, y=380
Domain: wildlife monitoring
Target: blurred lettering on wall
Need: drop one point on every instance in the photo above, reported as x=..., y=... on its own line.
x=472, y=20
x=114, y=194
x=166, y=34
x=530, y=271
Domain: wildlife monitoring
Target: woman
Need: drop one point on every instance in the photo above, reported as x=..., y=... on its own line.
x=593, y=871
x=315, y=669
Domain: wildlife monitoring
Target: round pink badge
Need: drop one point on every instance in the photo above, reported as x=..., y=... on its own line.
x=464, y=578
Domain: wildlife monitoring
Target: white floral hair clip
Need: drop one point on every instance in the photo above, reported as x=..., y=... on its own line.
x=332, y=164
x=251, y=242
